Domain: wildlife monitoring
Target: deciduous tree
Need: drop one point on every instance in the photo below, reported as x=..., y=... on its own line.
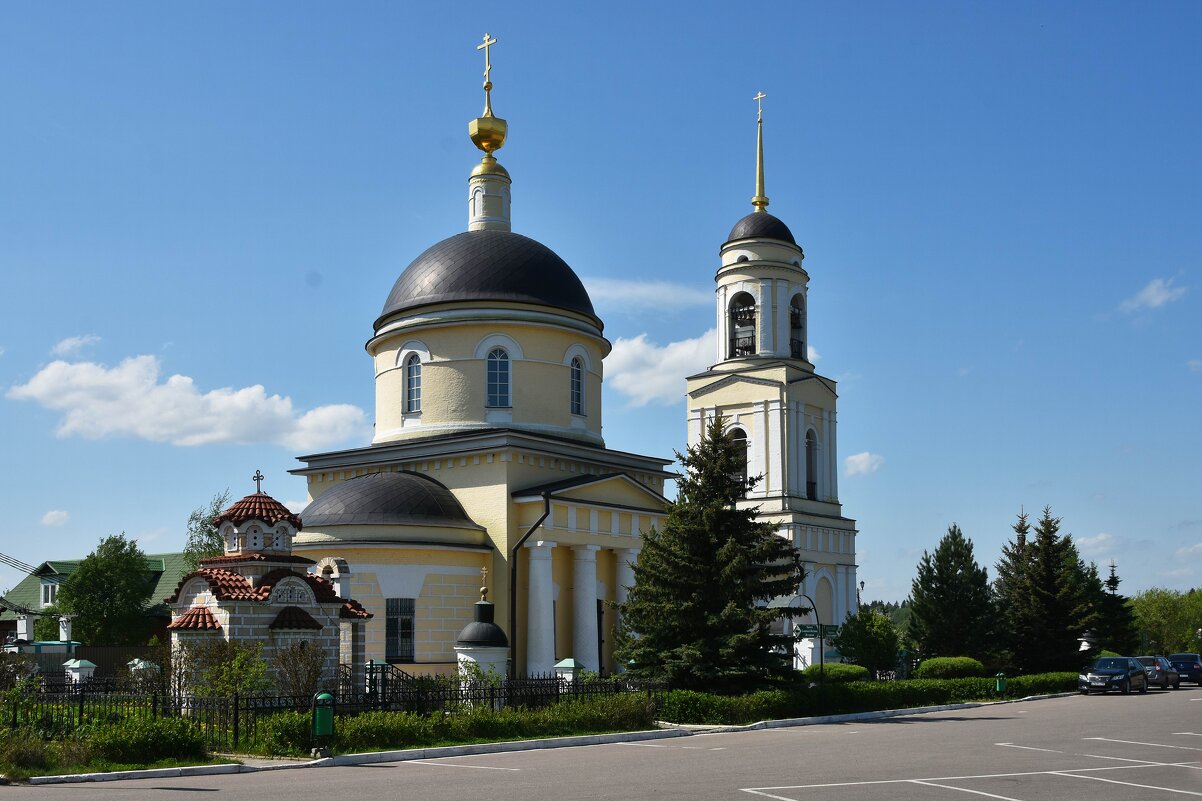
x=203, y=539
x=869, y=639
x=107, y=594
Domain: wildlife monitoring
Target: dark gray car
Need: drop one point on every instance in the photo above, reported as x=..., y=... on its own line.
x=1160, y=672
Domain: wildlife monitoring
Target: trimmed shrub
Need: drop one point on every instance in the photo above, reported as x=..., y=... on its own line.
x=858, y=696
x=949, y=667
x=837, y=672
x=142, y=740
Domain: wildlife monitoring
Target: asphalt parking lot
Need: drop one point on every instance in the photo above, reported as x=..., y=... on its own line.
x=1097, y=748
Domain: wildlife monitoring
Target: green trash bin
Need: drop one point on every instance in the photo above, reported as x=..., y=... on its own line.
x=1000, y=683
x=323, y=722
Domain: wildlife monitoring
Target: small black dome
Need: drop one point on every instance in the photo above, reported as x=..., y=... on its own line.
x=489, y=265
x=761, y=225
x=387, y=499
x=483, y=631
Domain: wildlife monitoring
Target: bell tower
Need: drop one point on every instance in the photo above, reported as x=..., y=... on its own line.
x=765, y=387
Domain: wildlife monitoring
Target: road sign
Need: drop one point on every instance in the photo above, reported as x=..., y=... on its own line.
x=830, y=631
x=805, y=631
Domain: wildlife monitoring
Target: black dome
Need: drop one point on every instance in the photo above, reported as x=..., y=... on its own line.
x=489, y=265
x=761, y=225
x=387, y=499
x=482, y=630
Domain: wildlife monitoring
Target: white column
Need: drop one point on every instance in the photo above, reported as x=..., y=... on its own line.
x=625, y=557
x=723, y=334
x=840, y=594
x=834, y=458
x=624, y=578
x=540, y=610
x=584, y=607
x=855, y=589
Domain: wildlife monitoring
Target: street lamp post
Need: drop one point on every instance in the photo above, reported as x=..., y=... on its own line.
x=821, y=648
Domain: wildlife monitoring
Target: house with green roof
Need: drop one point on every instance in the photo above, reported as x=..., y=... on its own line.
x=39, y=590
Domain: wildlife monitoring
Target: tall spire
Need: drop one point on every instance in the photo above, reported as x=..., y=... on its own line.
x=488, y=186
x=760, y=201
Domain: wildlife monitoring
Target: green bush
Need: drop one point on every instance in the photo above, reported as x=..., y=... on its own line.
x=395, y=730
x=949, y=667
x=837, y=672
x=23, y=750
x=841, y=698
x=142, y=740
x=283, y=734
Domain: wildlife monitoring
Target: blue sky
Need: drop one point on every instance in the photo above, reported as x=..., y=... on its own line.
x=204, y=206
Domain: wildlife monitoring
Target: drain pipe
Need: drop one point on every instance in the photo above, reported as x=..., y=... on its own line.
x=513, y=581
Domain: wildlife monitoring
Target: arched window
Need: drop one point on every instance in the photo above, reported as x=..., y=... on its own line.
x=738, y=438
x=797, y=345
x=577, y=386
x=742, y=326
x=498, y=378
x=413, y=384
x=811, y=465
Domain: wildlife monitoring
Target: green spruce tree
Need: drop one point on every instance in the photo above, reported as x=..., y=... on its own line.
x=1047, y=596
x=1116, y=630
x=698, y=613
x=951, y=612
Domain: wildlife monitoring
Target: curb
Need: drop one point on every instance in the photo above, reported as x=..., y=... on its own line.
x=670, y=730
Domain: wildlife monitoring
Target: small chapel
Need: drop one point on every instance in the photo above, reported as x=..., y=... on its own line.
x=258, y=591
x=488, y=453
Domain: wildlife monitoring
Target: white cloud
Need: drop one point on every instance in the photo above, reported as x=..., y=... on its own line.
x=1098, y=545
x=644, y=295
x=56, y=517
x=296, y=507
x=1190, y=551
x=648, y=373
x=862, y=464
x=1157, y=293
x=129, y=400
x=1194, y=365
x=152, y=535
x=73, y=345
x=1, y=350
x=813, y=355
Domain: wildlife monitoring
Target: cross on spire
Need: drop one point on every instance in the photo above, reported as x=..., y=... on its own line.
x=258, y=479
x=759, y=104
x=484, y=584
x=489, y=41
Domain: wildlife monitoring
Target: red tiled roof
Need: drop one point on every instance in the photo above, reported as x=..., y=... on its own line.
x=293, y=617
x=198, y=617
x=227, y=585
x=259, y=506
x=283, y=558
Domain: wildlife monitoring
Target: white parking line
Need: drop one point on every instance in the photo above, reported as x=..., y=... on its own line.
x=1189, y=733
x=1128, y=784
x=446, y=765
x=1133, y=742
x=683, y=747
x=965, y=790
x=1028, y=748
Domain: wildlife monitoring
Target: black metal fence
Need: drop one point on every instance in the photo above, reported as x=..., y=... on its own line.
x=54, y=709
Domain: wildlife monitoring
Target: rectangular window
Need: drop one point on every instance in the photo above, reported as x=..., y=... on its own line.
x=399, y=615
x=49, y=593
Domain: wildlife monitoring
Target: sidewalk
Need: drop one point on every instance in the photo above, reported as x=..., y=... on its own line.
x=251, y=764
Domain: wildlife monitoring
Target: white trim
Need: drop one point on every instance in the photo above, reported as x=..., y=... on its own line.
x=499, y=341
x=412, y=346
x=578, y=350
